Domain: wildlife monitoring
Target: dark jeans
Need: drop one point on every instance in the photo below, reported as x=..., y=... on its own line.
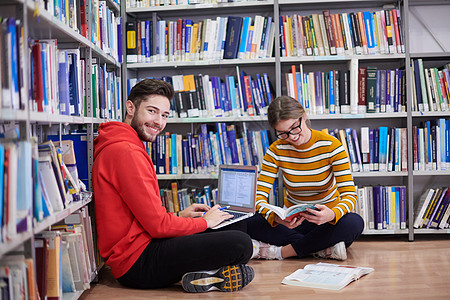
x=307, y=238
x=164, y=261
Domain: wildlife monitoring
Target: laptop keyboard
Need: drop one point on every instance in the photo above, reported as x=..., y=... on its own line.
x=235, y=214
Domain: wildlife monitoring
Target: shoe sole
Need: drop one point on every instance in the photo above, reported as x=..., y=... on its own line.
x=226, y=279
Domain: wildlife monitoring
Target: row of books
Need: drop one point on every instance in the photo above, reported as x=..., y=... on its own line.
x=105, y=27
x=379, y=32
x=210, y=39
x=433, y=210
x=150, y=3
x=203, y=152
x=36, y=181
x=431, y=148
x=176, y=198
x=212, y=96
x=382, y=207
x=431, y=87
x=330, y=92
x=65, y=258
x=381, y=149
x=12, y=44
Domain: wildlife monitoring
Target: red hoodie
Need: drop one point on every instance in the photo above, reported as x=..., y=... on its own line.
x=128, y=208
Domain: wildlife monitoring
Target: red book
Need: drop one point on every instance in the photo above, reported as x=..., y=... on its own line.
x=396, y=31
x=248, y=95
x=178, y=39
x=83, y=25
x=330, y=34
x=362, y=87
x=37, y=74
x=294, y=79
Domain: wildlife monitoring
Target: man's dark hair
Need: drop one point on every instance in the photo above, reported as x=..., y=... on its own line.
x=148, y=87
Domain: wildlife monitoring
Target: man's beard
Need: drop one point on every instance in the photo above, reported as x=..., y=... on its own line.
x=139, y=128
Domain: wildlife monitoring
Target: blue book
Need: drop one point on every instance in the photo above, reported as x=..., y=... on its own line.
x=44, y=78
x=206, y=147
x=331, y=92
x=447, y=142
x=371, y=150
x=231, y=132
x=378, y=207
x=243, y=38
x=369, y=31
x=319, y=92
x=351, y=150
x=207, y=190
x=389, y=93
x=192, y=165
x=376, y=142
x=429, y=145
x=232, y=91
x=391, y=152
x=185, y=153
x=265, y=140
x=221, y=144
x=225, y=101
x=214, y=158
x=73, y=84
x=173, y=148
x=219, y=150
x=244, y=155
x=378, y=92
x=24, y=186
x=11, y=31
x=281, y=32
x=267, y=38
x=420, y=106
x=234, y=26
x=148, y=41
x=382, y=150
x=187, y=41
x=63, y=83
x=268, y=90
x=261, y=93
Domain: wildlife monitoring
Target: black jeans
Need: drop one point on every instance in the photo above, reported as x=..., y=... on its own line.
x=307, y=238
x=164, y=261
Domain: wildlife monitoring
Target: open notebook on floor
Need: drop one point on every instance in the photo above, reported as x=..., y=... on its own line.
x=237, y=189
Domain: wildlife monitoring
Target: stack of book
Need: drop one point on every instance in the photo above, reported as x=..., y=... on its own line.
x=431, y=87
x=353, y=33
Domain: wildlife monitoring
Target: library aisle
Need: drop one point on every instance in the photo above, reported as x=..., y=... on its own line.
x=403, y=270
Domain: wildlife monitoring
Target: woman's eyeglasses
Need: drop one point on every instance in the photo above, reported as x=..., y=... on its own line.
x=294, y=131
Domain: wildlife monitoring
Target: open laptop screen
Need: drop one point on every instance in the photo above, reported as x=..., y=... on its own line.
x=237, y=185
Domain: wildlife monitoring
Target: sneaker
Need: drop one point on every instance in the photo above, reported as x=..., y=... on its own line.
x=337, y=252
x=265, y=251
x=226, y=279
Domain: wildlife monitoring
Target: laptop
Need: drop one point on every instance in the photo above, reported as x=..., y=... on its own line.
x=236, y=189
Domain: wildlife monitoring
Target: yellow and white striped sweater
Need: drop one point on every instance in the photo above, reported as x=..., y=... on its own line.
x=317, y=172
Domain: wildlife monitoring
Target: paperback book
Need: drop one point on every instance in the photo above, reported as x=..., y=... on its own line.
x=288, y=213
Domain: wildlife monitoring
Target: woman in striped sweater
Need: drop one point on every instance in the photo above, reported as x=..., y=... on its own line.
x=315, y=169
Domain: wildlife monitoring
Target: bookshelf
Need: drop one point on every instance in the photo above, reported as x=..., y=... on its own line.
x=424, y=19
x=24, y=123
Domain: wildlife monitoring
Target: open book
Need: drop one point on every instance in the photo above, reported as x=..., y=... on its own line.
x=288, y=213
x=326, y=276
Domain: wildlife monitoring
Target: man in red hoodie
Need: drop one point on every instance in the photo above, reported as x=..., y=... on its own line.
x=145, y=246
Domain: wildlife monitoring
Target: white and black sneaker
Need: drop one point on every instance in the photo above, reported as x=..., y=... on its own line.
x=226, y=279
